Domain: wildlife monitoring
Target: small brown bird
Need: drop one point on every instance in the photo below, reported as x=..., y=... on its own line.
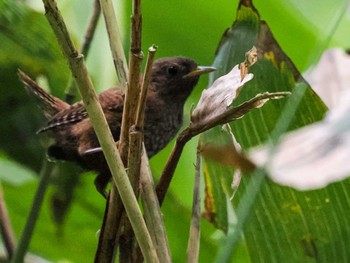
x=172, y=81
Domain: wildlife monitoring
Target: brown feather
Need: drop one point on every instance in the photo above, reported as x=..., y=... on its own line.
x=49, y=104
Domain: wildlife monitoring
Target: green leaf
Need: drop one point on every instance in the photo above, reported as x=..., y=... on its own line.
x=22, y=42
x=13, y=172
x=283, y=224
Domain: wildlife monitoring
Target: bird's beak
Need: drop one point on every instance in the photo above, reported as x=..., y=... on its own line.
x=199, y=71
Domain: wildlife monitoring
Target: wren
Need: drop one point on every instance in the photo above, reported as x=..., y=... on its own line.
x=172, y=81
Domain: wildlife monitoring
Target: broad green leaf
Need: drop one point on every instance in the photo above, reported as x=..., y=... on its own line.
x=284, y=224
x=21, y=28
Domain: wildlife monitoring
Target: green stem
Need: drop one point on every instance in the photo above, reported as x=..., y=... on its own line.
x=99, y=123
x=195, y=233
x=24, y=241
x=115, y=41
x=153, y=214
x=72, y=88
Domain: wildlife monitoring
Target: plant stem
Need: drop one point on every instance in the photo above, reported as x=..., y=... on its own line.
x=169, y=169
x=114, y=210
x=153, y=214
x=194, y=239
x=115, y=42
x=194, y=129
x=146, y=77
x=133, y=90
x=24, y=241
x=89, y=34
x=136, y=134
x=135, y=148
x=111, y=221
x=102, y=130
x=91, y=29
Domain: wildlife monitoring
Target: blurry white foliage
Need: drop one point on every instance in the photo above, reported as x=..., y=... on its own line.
x=314, y=156
x=330, y=76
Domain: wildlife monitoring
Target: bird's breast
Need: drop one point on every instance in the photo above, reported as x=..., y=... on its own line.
x=160, y=128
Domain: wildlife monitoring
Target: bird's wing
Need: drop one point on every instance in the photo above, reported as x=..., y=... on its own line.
x=73, y=114
x=111, y=100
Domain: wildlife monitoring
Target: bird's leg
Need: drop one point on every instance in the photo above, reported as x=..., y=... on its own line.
x=101, y=181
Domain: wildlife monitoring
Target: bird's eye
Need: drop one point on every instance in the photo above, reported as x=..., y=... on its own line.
x=172, y=70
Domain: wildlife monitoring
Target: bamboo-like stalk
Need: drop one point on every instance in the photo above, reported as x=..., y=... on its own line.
x=133, y=89
x=135, y=148
x=111, y=221
x=136, y=132
x=150, y=203
x=152, y=212
x=194, y=239
x=115, y=42
x=72, y=88
x=98, y=121
x=114, y=210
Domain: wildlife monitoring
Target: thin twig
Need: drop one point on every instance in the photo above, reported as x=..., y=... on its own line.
x=5, y=227
x=91, y=29
x=169, y=169
x=194, y=129
x=102, y=130
x=146, y=77
x=194, y=239
x=24, y=241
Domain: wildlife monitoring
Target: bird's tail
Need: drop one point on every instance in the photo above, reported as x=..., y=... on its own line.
x=49, y=104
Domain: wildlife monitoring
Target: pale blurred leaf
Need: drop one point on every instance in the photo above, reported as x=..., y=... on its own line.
x=330, y=76
x=314, y=156
x=13, y=172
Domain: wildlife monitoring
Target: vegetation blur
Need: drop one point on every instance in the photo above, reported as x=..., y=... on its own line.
x=282, y=224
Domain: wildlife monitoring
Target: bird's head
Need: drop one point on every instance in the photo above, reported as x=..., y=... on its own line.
x=175, y=77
